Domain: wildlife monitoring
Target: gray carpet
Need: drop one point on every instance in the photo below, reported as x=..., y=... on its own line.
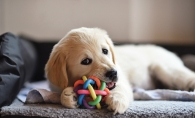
x=158, y=109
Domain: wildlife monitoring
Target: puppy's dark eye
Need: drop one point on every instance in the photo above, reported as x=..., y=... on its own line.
x=86, y=61
x=105, y=51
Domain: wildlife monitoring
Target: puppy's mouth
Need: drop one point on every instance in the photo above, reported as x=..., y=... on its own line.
x=110, y=85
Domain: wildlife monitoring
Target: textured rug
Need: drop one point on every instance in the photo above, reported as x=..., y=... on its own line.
x=142, y=109
x=154, y=104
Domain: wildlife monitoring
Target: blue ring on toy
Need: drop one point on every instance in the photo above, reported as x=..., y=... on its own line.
x=80, y=99
x=86, y=84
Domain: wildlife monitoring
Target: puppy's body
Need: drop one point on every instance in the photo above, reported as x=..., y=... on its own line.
x=89, y=51
x=137, y=62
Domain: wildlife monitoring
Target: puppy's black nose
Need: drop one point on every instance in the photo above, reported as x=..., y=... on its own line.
x=112, y=75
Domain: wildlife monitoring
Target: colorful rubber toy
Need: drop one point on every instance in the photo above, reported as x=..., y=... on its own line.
x=87, y=96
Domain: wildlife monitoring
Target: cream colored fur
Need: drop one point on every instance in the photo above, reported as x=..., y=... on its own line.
x=137, y=66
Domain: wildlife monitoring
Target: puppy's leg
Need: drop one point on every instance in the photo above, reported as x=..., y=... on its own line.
x=174, y=76
x=69, y=98
x=120, y=97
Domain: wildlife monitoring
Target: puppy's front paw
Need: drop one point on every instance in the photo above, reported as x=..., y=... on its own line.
x=69, y=98
x=117, y=102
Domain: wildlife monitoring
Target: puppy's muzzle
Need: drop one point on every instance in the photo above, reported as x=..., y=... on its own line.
x=112, y=75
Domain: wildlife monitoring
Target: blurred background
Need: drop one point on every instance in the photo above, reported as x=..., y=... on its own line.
x=132, y=21
x=168, y=23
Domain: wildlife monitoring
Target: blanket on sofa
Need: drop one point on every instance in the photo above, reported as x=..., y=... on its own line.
x=39, y=92
x=45, y=96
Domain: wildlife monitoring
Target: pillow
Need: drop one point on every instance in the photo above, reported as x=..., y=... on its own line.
x=17, y=65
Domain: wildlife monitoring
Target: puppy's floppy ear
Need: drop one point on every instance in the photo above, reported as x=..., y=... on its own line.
x=55, y=68
x=111, y=45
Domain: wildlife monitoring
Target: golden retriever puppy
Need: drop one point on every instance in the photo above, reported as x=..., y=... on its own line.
x=90, y=51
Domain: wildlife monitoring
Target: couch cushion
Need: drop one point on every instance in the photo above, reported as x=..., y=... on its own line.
x=17, y=64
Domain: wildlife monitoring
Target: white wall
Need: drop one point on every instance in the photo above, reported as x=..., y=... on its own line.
x=52, y=19
x=153, y=21
x=167, y=21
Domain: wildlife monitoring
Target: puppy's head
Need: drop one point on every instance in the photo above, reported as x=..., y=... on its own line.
x=83, y=51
